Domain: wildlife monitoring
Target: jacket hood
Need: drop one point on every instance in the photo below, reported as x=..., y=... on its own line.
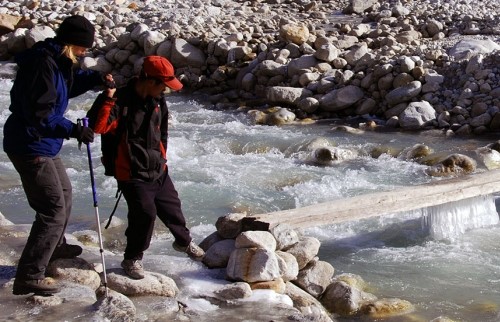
x=47, y=47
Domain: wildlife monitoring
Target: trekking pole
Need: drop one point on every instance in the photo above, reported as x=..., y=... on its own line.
x=96, y=208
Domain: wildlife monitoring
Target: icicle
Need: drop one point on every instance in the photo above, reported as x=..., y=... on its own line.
x=453, y=219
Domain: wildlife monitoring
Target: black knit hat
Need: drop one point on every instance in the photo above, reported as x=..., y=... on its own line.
x=76, y=30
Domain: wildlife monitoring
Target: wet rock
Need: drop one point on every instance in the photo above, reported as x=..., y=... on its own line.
x=151, y=284
x=343, y=299
x=233, y=291
x=76, y=270
x=115, y=307
x=454, y=164
x=386, y=308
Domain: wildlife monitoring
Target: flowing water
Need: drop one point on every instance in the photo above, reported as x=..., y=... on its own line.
x=444, y=259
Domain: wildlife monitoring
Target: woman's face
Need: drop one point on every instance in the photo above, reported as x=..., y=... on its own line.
x=78, y=51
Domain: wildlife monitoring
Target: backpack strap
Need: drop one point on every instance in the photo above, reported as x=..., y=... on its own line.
x=119, y=194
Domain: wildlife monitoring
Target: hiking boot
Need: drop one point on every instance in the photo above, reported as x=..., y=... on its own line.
x=42, y=287
x=192, y=250
x=133, y=268
x=66, y=251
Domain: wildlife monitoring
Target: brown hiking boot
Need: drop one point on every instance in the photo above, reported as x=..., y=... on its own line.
x=66, y=251
x=133, y=268
x=44, y=287
x=192, y=250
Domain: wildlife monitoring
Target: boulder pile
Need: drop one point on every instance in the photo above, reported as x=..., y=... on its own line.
x=407, y=64
x=284, y=261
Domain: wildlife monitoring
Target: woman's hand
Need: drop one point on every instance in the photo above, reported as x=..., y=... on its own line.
x=109, y=82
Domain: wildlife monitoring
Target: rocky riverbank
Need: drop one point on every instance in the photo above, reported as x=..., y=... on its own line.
x=410, y=65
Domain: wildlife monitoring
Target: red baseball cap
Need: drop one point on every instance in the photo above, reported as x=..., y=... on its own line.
x=159, y=67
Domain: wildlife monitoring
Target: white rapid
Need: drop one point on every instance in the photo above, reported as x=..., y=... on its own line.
x=445, y=259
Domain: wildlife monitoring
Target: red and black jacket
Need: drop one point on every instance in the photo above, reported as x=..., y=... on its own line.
x=142, y=129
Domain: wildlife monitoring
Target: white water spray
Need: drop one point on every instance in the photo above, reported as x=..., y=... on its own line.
x=450, y=220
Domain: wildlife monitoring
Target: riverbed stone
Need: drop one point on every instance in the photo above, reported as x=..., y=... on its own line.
x=217, y=255
x=315, y=277
x=254, y=238
x=76, y=270
x=152, y=284
x=252, y=265
x=233, y=291
x=115, y=307
x=305, y=250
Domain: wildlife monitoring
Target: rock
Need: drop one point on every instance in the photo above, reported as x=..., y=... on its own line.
x=295, y=33
x=343, y=299
x=76, y=270
x=258, y=239
x=277, y=285
x=45, y=301
x=184, y=54
x=287, y=95
x=211, y=239
x=416, y=115
x=315, y=277
x=229, y=226
x=341, y=98
x=403, y=93
x=218, y=254
x=307, y=304
x=289, y=268
x=280, y=117
x=467, y=48
x=252, y=265
x=386, y=308
x=115, y=307
x=152, y=284
x=284, y=234
x=454, y=164
x=305, y=250
x=233, y=291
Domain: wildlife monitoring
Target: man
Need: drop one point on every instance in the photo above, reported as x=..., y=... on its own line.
x=137, y=116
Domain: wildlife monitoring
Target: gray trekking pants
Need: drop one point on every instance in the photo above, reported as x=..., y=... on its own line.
x=48, y=191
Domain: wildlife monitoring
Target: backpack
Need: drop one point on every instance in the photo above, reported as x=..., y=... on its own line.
x=109, y=147
x=109, y=141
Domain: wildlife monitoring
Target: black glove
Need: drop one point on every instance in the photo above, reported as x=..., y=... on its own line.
x=82, y=134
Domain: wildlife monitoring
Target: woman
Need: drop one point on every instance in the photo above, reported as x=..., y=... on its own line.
x=33, y=137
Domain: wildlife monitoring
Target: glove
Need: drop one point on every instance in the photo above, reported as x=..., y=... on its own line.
x=82, y=134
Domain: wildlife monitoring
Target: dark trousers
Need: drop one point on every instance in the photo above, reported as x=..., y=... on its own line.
x=145, y=201
x=48, y=191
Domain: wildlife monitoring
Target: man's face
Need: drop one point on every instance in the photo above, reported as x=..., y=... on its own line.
x=156, y=88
